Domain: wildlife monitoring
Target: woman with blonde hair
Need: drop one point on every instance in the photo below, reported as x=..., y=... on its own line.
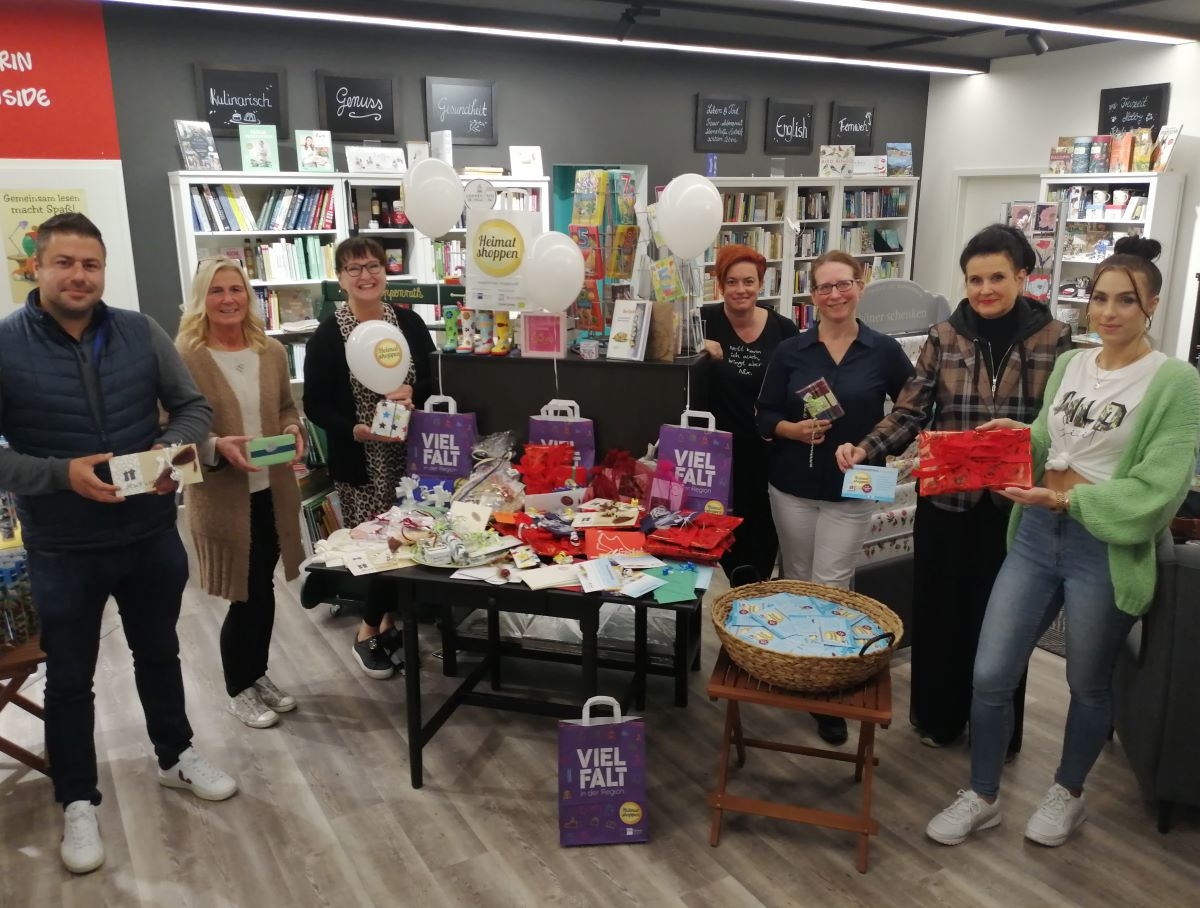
x=242, y=517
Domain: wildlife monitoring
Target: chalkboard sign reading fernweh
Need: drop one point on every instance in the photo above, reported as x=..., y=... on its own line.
x=721, y=123
x=466, y=107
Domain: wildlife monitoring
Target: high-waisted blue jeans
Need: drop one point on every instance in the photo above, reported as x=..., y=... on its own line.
x=1051, y=552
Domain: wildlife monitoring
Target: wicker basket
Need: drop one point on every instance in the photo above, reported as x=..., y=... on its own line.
x=809, y=674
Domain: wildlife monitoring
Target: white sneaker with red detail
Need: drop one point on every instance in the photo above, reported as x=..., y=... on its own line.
x=198, y=776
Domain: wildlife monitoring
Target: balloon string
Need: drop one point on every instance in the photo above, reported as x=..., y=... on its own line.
x=441, y=384
x=689, y=388
x=555, y=362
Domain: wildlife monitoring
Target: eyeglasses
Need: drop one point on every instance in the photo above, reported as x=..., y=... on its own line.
x=840, y=286
x=369, y=267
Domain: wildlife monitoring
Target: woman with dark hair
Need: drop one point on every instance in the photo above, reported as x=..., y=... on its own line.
x=991, y=359
x=1114, y=448
x=365, y=467
x=740, y=337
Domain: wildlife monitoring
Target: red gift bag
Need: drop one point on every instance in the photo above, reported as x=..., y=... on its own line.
x=973, y=460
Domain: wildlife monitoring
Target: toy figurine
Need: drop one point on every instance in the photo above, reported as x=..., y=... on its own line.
x=484, y=322
x=503, y=335
x=450, y=320
x=466, y=331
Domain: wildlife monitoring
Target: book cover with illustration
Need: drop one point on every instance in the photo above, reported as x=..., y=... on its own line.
x=196, y=145
x=666, y=280
x=1021, y=215
x=1160, y=157
x=314, y=151
x=899, y=159
x=587, y=238
x=622, y=195
x=623, y=252
x=1098, y=154
x=589, y=307
x=1143, y=149
x=591, y=188
x=259, y=147
x=1120, y=153
x=1081, y=148
x=836, y=161
x=630, y=327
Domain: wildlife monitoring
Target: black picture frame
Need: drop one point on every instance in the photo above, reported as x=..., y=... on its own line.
x=374, y=116
x=846, y=122
x=467, y=107
x=1114, y=117
x=789, y=127
x=721, y=122
x=268, y=83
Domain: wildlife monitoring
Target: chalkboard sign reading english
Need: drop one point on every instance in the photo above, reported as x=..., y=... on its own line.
x=243, y=96
x=721, y=123
x=466, y=107
x=357, y=107
x=789, y=126
x=852, y=125
x=1135, y=107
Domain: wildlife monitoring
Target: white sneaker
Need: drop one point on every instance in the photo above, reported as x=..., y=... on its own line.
x=251, y=711
x=1059, y=815
x=968, y=813
x=279, y=700
x=199, y=777
x=82, y=851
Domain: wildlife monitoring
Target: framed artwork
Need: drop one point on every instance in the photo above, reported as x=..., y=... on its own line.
x=231, y=96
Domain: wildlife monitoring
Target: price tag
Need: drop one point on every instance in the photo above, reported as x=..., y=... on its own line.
x=480, y=195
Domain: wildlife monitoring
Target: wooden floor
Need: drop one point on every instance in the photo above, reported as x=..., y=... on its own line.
x=325, y=815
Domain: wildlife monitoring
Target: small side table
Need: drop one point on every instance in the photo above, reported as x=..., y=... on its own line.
x=16, y=665
x=870, y=705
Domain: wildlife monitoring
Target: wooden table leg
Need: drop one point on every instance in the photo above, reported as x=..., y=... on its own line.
x=866, y=766
x=493, y=628
x=737, y=732
x=714, y=830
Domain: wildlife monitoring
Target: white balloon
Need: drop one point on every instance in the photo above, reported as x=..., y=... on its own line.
x=433, y=197
x=554, y=271
x=689, y=214
x=378, y=356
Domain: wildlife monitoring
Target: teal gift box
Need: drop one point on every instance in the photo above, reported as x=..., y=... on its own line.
x=272, y=450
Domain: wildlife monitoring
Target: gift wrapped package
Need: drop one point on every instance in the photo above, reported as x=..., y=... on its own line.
x=972, y=460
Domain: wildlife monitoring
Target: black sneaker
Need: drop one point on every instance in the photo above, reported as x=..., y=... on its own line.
x=832, y=729
x=373, y=658
x=392, y=640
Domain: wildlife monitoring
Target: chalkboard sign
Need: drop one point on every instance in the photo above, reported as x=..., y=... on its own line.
x=466, y=107
x=229, y=97
x=721, y=123
x=1136, y=107
x=789, y=126
x=851, y=125
x=357, y=107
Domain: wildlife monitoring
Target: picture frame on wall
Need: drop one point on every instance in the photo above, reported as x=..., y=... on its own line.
x=465, y=107
x=852, y=124
x=231, y=96
x=357, y=107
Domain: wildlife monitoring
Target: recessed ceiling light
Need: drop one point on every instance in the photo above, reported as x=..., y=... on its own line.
x=534, y=35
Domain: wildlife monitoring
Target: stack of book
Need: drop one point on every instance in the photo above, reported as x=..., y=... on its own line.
x=748, y=207
x=223, y=207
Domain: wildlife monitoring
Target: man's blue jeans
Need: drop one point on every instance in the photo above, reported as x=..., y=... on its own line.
x=69, y=590
x=1051, y=553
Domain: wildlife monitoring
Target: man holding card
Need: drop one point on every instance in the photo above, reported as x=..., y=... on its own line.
x=80, y=382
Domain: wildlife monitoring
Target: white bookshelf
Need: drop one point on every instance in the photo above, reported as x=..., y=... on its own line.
x=1159, y=219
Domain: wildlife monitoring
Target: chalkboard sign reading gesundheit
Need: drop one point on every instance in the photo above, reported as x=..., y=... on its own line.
x=229, y=97
x=851, y=124
x=789, y=126
x=357, y=107
x=466, y=107
x=1135, y=107
x=721, y=123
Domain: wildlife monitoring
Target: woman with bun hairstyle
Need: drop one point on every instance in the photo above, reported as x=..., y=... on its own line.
x=1114, y=449
x=991, y=359
x=740, y=338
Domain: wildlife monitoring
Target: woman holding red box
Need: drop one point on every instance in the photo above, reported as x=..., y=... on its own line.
x=1114, y=449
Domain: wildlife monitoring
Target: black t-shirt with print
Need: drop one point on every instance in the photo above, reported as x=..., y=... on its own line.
x=735, y=380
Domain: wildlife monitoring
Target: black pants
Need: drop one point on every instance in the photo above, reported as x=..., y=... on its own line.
x=246, y=633
x=69, y=591
x=755, y=540
x=957, y=556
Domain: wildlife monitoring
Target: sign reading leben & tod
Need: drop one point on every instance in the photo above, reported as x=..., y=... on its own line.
x=357, y=107
x=243, y=96
x=721, y=123
x=789, y=126
x=1134, y=107
x=851, y=124
x=466, y=107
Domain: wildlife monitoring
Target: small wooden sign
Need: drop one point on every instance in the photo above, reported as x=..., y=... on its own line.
x=789, y=126
x=1134, y=107
x=466, y=107
x=852, y=124
x=721, y=123
x=357, y=107
x=233, y=96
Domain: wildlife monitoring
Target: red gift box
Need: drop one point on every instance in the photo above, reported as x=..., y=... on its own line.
x=972, y=460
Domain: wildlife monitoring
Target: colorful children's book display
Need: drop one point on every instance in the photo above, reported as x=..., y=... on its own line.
x=623, y=252
x=622, y=198
x=587, y=238
x=591, y=187
x=589, y=307
x=666, y=281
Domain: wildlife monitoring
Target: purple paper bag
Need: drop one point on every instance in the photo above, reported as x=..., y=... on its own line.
x=601, y=778
x=439, y=444
x=703, y=459
x=560, y=422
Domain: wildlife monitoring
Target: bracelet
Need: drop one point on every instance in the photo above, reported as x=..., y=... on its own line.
x=1062, y=501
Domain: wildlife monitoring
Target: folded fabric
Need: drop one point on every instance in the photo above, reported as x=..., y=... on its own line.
x=973, y=460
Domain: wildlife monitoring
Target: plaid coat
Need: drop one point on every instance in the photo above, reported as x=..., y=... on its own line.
x=952, y=389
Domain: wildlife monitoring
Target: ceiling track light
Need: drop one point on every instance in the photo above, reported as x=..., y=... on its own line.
x=1037, y=43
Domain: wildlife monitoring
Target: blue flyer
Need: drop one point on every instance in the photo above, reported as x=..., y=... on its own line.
x=874, y=483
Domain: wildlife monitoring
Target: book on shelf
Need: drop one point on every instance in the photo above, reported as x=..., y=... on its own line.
x=1160, y=157
x=836, y=161
x=224, y=207
x=314, y=151
x=804, y=315
x=899, y=159
x=766, y=242
x=196, y=145
x=870, y=165
x=748, y=207
x=259, y=147
x=1143, y=149
x=884, y=202
x=1120, y=153
x=886, y=240
x=1098, y=154
x=1060, y=159
x=1081, y=149
x=630, y=329
x=812, y=241
x=813, y=204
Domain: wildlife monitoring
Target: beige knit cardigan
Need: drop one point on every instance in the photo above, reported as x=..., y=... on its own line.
x=218, y=509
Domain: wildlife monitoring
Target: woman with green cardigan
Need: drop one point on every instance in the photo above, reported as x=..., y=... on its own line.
x=1114, y=449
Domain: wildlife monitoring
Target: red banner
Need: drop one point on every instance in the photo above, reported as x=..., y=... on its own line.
x=56, y=97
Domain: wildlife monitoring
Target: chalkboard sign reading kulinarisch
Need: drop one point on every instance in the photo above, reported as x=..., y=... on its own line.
x=721, y=123
x=357, y=107
x=851, y=124
x=1135, y=107
x=789, y=126
x=466, y=107
x=229, y=97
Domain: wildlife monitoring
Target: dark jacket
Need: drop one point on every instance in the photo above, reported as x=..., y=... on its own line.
x=329, y=398
x=952, y=390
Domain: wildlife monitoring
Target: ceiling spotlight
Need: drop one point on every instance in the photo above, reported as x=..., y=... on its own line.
x=1037, y=43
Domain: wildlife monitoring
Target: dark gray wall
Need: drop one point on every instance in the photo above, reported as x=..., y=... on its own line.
x=579, y=104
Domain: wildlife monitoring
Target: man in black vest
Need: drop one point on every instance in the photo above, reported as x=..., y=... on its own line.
x=80, y=382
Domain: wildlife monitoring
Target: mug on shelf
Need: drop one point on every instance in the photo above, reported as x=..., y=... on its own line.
x=1120, y=197
x=1100, y=197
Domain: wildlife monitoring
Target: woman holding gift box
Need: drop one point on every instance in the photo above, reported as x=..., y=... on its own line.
x=365, y=468
x=242, y=517
x=1114, y=449
x=991, y=358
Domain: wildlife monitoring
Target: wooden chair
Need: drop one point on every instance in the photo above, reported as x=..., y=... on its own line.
x=16, y=665
x=869, y=705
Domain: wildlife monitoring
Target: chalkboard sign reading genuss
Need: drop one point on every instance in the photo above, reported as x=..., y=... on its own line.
x=357, y=107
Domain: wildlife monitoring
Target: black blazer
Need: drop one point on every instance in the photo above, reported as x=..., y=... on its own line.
x=329, y=399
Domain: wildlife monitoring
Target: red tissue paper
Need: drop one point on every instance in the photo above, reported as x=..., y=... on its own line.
x=973, y=460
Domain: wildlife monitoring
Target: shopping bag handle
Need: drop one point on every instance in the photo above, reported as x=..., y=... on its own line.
x=560, y=407
x=600, y=701
x=434, y=399
x=702, y=415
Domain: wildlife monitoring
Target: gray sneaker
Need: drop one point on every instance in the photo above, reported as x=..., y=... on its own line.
x=278, y=700
x=250, y=709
